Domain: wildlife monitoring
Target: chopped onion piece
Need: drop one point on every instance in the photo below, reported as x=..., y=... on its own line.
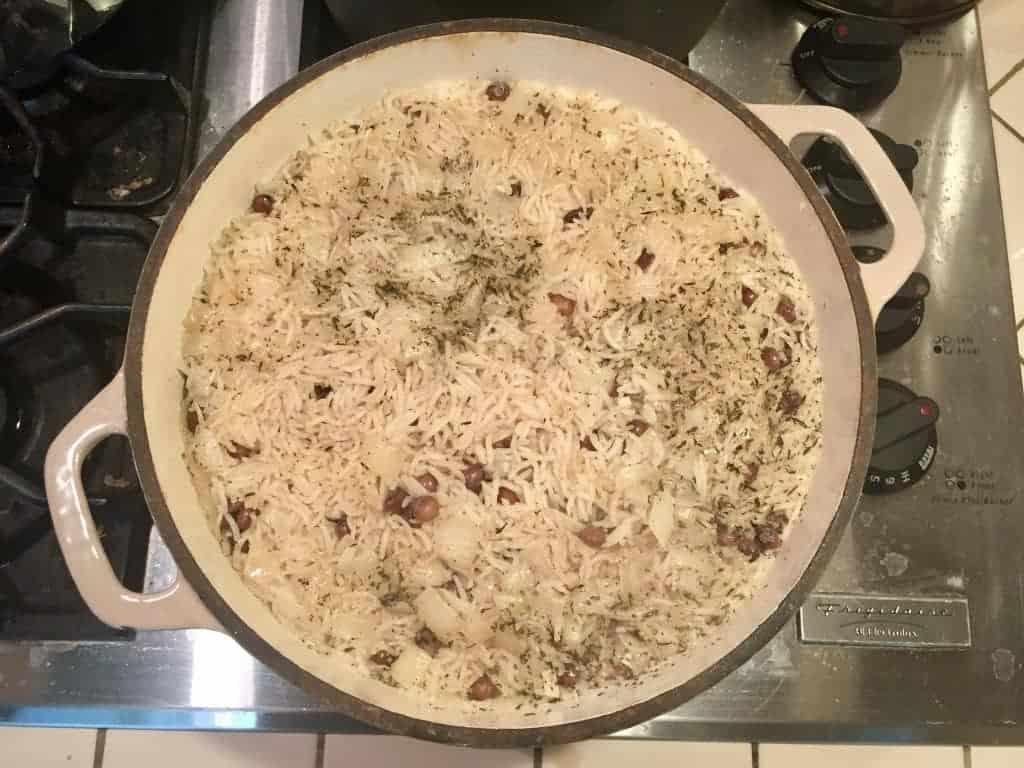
x=478, y=627
x=575, y=632
x=410, y=669
x=384, y=460
x=442, y=619
x=457, y=541
x=428, y=573
x=356, y=562
x=622, y=532
x=518, y=580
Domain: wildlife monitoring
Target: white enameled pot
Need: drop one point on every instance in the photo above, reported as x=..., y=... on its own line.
x=747, y=143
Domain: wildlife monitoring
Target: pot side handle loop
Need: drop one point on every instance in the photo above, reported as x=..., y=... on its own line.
x=883, y=278
x=176, y=607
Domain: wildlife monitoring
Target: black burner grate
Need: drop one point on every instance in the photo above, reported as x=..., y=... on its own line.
x=92, y=146
x=110, y=125
x=63, y=313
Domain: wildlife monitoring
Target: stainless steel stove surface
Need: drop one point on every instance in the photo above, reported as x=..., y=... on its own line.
x=916, y=632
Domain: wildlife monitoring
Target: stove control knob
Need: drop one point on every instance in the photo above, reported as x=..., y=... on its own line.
x=905, y=439
x=868, y=254
x=851, y=198
x=849, y=62
x=902, y=315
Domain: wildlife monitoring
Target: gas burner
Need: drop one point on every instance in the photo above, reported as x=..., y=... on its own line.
x=844, y=188
x=109, y=137
x=109, y=126
x=848, y=62
x=92, y=145
x=905, y=439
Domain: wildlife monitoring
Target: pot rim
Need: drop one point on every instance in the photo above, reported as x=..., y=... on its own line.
x=372, y=714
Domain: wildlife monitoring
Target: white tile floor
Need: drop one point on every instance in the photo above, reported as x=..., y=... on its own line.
x=1002, y=28
x=1002, y=24
x=996, y=757
x=845, y=756
x=132, y=749
x=656, y=754
x=396, y=752
x=1010, y=157
x=46, y=748
x=1002, y=32
x=58, y=748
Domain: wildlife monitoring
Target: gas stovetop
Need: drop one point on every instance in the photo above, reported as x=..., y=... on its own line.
x=916, y=631
x=93, y=145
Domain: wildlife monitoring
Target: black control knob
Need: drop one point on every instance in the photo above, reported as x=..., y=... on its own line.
x=852, y=200
x=905, y=439
x=868, y=254
x=849, y=62
x=902, y=315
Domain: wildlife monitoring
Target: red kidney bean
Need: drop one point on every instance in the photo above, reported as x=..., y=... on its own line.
x=563, y=304
x=262, y=204
x=428, y=481
x=645, y=259
x=483, y=688
x=748, y=296
x=507, y=496
x=498, y=91
x=425, y=508
x=593, y=536
x=786, y=310
x=473, y=474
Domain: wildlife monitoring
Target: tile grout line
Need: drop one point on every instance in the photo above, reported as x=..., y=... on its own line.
x=1016, y=134
x=101, y=747
x=1005, y=78
x=1020, y=352
x=318, y=759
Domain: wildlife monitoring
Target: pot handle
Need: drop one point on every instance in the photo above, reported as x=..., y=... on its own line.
x=882, y=278
x=176, y=607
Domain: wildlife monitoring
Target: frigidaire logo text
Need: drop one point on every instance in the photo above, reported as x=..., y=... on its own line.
x=898, y=609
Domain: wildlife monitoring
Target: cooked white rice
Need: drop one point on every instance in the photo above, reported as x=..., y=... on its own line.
x=397, y=314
